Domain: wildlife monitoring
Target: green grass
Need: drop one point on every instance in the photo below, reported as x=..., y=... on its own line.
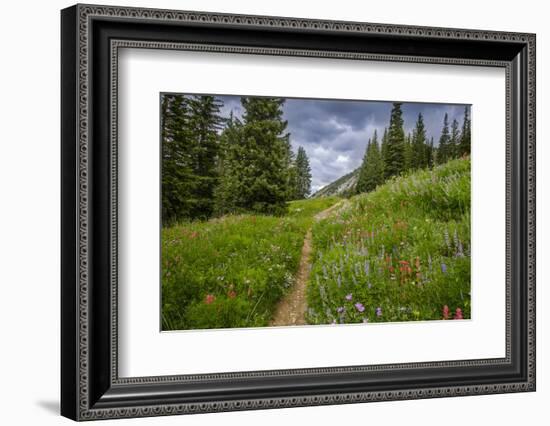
x=403, y=249
x=232, y=271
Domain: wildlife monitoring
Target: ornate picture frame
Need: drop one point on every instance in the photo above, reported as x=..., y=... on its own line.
x=90, y=39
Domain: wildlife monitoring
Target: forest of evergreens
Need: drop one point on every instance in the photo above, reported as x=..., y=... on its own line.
x=399, y=153
x=214, y=165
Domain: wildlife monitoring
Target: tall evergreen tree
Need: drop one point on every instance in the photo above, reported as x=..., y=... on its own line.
x=361, y=185
x=227, y=193
x=431, y=153
x=256, y=175
x=303, y=174
x=394, y=158
x=408, y=153
x=420, y=148
x=371, y=173
x=443, y=150
x=205, y=124
x=454, y=141
x=465, y=134
x=177, y=166
x=384, y=145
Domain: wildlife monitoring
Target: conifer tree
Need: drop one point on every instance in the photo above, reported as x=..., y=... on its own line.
x=384, y=145
x=177, y=177
x=256, y=175
x=361, y=185
x=431, y=153
x=408, y=153
x=227, y=193
x=205, y=123
x=443, y=149
x=303, y=174
x=371, y=173
x=454, y=141
x=394, y=158
x=420, y=148
x=465, y=134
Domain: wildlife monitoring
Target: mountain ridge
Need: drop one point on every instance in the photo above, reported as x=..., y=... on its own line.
x=344, y=185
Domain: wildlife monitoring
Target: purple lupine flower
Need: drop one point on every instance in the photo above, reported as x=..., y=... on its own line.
x=460, y=249
x=367, y=267
x=443, y=268
x=359, y=307
x=340, y=309
x=379, y=312
x=447, y=239
x=349, y=297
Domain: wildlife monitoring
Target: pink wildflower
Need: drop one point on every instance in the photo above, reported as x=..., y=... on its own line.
x=458, y=314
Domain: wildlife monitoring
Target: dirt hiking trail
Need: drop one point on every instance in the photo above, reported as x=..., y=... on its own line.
x=291, y=310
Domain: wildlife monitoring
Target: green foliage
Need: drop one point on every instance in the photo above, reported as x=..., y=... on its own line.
x=465, y=135
x=189, y=153
x=302, y=179
x=444, y=150
x=420, y=157
x=256, y=165
x=399, y=253
x=231, y=271
x=371, y=173
x=394, y=152
x=454, y=140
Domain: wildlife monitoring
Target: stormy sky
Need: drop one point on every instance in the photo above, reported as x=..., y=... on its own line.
x=335, y=133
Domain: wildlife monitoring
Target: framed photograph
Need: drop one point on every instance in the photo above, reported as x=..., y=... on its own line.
x=263, y=212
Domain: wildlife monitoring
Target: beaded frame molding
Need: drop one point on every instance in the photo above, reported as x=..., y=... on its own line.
x=91, y=38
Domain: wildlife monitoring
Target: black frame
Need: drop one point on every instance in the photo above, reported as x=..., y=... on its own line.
x=90, y=386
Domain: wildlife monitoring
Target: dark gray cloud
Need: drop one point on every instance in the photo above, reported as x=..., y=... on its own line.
x=335, y=133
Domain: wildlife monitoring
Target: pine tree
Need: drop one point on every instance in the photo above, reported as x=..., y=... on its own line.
x=408, y=163
x=189, y=132
x=177, y=168
x=454, y=141
x=394, y=158
x=384, y=146
x=465, y=134
x=371, y=173
x=420, y=148
x=443, y=153
x=361, y=185
x=227, y=193
x=431, y=153
x=205, y=123
x=256, y=174
x=303, y=174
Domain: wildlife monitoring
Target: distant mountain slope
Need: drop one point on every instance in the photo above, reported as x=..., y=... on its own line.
x=344, y=185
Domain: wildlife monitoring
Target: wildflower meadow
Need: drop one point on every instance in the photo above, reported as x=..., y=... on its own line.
x=399, y=253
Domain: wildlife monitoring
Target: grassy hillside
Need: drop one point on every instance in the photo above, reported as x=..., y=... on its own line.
x=231, y=271
x=399, y=253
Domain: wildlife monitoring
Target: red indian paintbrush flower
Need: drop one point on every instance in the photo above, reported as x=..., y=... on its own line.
x=446, y=312
x=458, y=314
x=209, y=299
